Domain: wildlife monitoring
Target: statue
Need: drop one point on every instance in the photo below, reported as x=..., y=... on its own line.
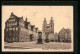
x=39, y=41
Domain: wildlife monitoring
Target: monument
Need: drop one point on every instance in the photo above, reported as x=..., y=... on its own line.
x=39, y=40
x=47, y=39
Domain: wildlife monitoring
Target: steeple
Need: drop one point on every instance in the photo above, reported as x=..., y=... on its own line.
x=26, y=19
x=51, y=18
x=44, y=19
x=51, y=21
x=44, y=26
x=44, y=22
x=51, y=25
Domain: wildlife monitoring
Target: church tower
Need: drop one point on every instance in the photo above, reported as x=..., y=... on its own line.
x=51, y=25
x=26, y=19
x=44, y=25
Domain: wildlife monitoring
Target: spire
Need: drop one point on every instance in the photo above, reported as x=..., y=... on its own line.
x=44, y=19
x=51, y=21
x=51, y=18
x=26, y=19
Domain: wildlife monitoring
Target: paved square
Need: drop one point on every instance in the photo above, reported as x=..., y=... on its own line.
x=31, y=45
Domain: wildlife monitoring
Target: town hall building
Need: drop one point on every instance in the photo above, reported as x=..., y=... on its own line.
x=18, y=30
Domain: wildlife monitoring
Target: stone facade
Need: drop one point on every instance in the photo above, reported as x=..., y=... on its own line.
x=18, y=30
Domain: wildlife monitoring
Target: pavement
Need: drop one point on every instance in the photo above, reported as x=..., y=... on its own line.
x=31, y=45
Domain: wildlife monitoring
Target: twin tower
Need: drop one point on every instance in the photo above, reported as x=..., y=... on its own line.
x=48, y=28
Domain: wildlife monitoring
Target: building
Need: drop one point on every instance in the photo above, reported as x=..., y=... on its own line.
x=18, y=30
x=48, y=29
x=55, y=37
x=64, y=35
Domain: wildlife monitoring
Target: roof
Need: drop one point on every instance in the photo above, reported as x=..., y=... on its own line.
x=14, y=16
x=63, y=30
x=26, y=23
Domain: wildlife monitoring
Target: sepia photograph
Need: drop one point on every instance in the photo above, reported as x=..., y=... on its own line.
x=37, y=28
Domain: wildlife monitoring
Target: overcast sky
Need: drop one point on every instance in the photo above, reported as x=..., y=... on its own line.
x=62, y=15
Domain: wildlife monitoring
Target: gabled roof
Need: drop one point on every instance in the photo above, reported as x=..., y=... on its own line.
x=14, y=16
x=26, y=23
x=63, y=30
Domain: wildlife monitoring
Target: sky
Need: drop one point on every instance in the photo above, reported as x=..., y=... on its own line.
x=62, y=15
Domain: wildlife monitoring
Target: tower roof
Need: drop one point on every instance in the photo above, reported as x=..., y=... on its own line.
x=26, y=19
x=44, y=19
x=51, y=18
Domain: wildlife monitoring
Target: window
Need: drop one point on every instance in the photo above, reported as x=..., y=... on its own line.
x=13, y=29
x=10, y=28
x=11, y=20
x=66, y=35
x=7, y=25
x=11, y=16
x=14, y=23
x=16, y=28
x=6, y=29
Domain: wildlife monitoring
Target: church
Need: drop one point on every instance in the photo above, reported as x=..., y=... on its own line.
x=48, y=29
x=64, y=35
